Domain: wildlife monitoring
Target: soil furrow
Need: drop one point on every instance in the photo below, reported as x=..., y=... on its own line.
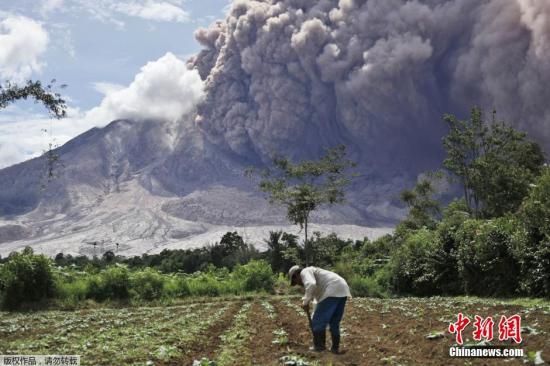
x=206, y=344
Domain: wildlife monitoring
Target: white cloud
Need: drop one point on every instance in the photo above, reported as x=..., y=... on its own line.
x=50, y=5
x=154, y=10
x=164, y=89
x=22, y=135
x=22, y=43
x=107, y=88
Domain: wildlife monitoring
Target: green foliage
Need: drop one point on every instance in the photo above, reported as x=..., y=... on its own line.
x=367, y=287
x=412, y=267
x=111, y=283
x=303, y=187
x=176, y=286
x=424, y=209
x=231, y=251
x=535, y=255
x=327, y=249
x=493, y=162
x=282, y=251
x=486, y=262
x=26, y=278
x=482, y=244
x=52, y=100
x=72, y=292
x=255, y=276
x=535, y=211
x=444, y=257
x=147, y=284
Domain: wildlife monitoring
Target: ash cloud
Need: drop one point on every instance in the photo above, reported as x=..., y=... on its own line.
x=295, y=75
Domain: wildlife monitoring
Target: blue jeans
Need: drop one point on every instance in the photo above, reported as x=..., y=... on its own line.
x=329, y=312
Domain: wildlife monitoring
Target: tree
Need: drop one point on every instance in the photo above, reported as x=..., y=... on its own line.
x=46, y=95
x=26, y=278
x=424, y=209
x=282, y=250
x=303, y=187
x=493, y=163
x=108, y=256
x=52, y=100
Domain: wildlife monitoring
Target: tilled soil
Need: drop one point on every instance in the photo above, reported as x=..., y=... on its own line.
x=206, y=344
x=376, y=332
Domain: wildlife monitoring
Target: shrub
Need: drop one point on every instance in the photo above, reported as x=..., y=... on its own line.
x=412, y=270
x=534, y=257
x=147, y=284
x=26, y=278
x=73, y=292
x=111, y=283
x=486, y=261
x=204, y=284
x=176, y=286
x=255, y=276
x=366, y=287
x=445, y=254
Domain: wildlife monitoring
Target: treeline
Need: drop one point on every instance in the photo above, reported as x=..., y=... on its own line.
x=35, y=280
x=228, y=253
x=31, y=280
x=495, y=240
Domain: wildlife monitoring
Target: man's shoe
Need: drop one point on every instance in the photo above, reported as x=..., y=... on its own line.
x=319, y=340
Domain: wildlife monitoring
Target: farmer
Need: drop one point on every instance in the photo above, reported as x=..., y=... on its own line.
x=331, y=292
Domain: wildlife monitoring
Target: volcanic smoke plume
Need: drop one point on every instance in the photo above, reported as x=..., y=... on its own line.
x=293, y=76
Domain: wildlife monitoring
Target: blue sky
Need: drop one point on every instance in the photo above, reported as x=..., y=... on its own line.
x=98, y=48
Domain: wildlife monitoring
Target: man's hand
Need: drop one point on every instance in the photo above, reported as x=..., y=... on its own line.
x=305, y=307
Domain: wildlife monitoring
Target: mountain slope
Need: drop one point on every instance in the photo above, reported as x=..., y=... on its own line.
x=146, y=185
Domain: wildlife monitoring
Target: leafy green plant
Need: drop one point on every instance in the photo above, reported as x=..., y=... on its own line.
x=111, y=283
x=26, y=278
x=147, y=284
x=255, y=276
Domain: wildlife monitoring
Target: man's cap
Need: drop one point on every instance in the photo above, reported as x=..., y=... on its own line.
x=291, y=273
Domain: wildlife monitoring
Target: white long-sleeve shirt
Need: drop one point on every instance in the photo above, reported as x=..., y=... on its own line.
x=320, y=284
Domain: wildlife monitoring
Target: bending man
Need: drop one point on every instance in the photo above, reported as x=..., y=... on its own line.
x=331, y=292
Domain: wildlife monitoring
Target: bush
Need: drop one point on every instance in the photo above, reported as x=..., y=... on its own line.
x=445, y=254
x=176, y=286
x=147, y=284
x=204, y=284
x=26, y=278
x=73, y=292
x=255, y=276
x=366, y=287
x=486, y=261
x=111, y=283
x=412, y=267
x=534, y=257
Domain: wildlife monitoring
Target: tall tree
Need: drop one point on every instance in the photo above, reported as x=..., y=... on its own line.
x=302, y=187
x=493, y=162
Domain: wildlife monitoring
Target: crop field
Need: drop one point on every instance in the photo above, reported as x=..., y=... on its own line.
x=267, y=331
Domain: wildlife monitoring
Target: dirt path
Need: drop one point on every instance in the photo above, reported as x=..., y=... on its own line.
x=206, y=344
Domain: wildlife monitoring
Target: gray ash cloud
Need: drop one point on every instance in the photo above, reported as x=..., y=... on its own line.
x=293, y=76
